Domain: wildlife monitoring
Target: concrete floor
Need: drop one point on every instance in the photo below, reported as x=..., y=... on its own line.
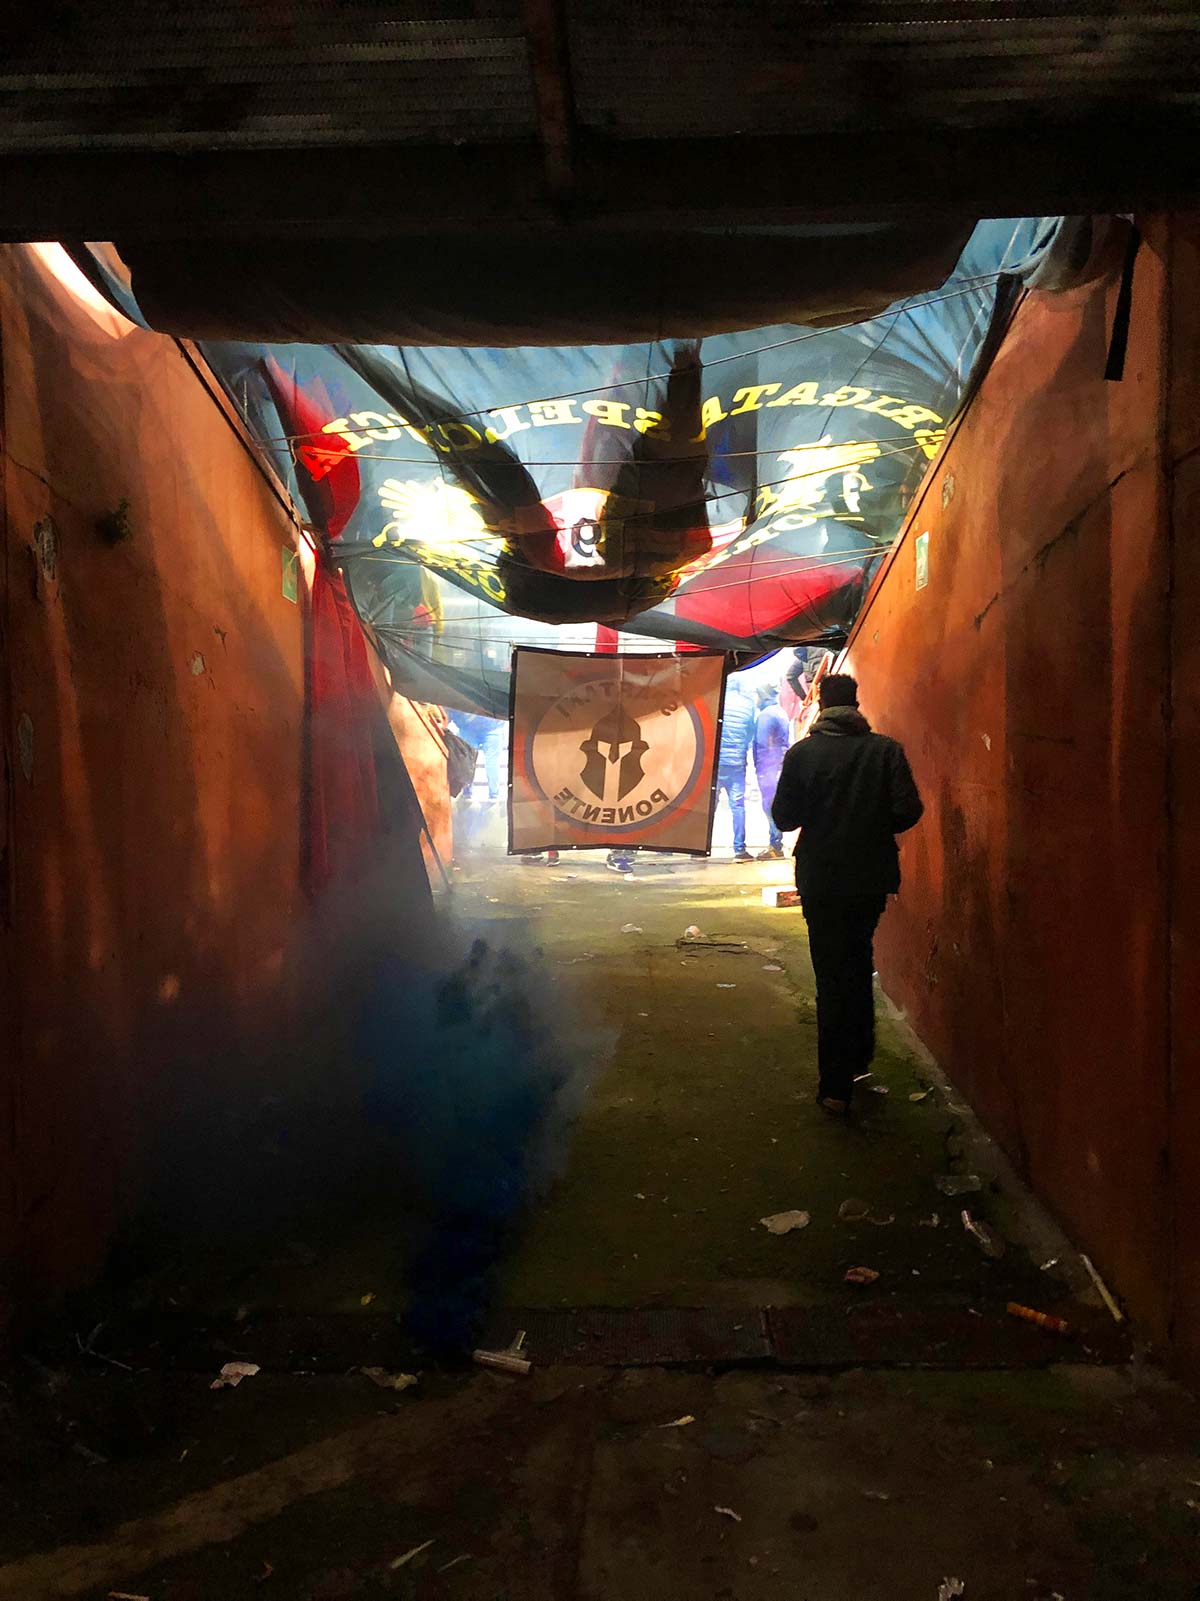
x=876, y=1451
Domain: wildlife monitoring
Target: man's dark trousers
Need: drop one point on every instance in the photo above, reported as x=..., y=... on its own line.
x=841, y=929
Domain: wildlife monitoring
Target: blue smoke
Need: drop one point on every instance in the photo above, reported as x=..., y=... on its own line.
x=466, y=1074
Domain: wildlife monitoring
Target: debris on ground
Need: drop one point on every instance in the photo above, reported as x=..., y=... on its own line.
x=232, y=1374
x=860, y=1275
x=853, y=1210
x=880, y=1089
x=1044, y=1267
x=402, y=1562
x=126, y=1595
x=569, y=961
x=631, y=928
x=727, y=986
x=1102, y=1289
x=951, y=1590
x=389, y=1381
x=679, y=1423
x=775, y=896
x=876, y=1495
x=92, y=1458
x=772, y=967
x=785, y=1222
x=933, y=1221
x=958, y=1183
x=985, y=1237
x=919, y=1095
x=365, y=1300
x=727, y=1512
x=88, y=1348
x=692, y=932
x=1044, y=1320
x=507, y=1361
x=457, y=1562
x=882, y=1222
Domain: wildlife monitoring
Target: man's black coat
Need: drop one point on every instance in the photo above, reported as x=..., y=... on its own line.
x=849, y=792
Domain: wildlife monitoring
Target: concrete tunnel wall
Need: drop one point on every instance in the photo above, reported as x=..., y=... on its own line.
x=152, y=706
x=1046, y=683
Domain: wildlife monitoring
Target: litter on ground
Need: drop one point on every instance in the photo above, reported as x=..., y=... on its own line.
x=389, y=1381
x=985, y=1237
x=1102, y=1290
x=860, y=1275
x=958, y=1183
x=402, y=1562
x=785, y=1222
x=1044, y=1320
x=232, y=1374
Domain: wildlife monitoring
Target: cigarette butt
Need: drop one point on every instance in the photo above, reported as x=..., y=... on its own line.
x=1056, y=1325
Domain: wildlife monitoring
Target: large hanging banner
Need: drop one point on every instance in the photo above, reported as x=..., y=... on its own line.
x=613, y=751
x=734, y=492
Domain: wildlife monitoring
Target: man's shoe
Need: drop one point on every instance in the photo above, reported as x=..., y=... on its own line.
x=742, y=856
x=619, y=864
x=832, y=1105
x=771, y=855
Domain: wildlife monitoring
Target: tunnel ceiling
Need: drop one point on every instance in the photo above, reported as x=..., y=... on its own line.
x=158, y=118
x=595, y=197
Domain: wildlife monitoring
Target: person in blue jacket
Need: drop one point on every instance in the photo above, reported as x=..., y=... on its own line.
x=737, y=736
x=771, y=734
x=487, y=735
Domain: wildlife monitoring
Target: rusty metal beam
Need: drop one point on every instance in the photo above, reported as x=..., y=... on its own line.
x=549, y=61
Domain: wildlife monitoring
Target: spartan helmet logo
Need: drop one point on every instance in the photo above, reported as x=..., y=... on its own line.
x=616, y=739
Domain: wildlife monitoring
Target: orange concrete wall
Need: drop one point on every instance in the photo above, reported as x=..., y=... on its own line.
x=1182, y=446
x=1048, y=702
x=152, y=706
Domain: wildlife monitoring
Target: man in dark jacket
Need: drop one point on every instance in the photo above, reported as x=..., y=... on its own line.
x=849, y=792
